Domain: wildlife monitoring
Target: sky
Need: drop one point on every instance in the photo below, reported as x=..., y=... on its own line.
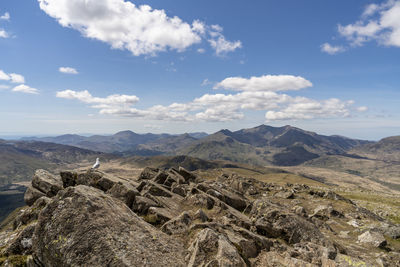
x=175, y=66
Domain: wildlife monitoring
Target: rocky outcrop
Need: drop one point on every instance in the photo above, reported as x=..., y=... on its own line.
x=373, y=238
x=175, y=218
x=84, y=226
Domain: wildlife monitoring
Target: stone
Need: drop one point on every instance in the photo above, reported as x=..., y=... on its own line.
x=178, y=225
x=124, y=192
x=31, y=195
x=188, y=176
x=324, y=212
x=22, y=243
x=83, y=226
x=373, y=238
x=275, y=259
x=213, y=249
x=142, y=204
x=285, y=194
x=69, y=178
x=179, y=189
x=200, y=215
x=148, y=173
x=47, y=183
x=161, y=215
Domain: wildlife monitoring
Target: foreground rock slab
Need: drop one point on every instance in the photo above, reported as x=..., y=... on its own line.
x=83, y=226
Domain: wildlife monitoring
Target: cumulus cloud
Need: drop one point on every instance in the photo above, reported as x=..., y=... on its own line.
x=22, y=88
x=264, y=83
x=303, y=108
x=5, y=16
x=11, y=77
x=16, y=78
x=3, y=34
x=109, y=102
x=378, y=22
x=331, y=49
x=138, y=29
x=223, y=46
x=4, y=76
x=68, y=70
x=221, y=107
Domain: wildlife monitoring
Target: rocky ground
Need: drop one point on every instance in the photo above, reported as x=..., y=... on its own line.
x=176, y=218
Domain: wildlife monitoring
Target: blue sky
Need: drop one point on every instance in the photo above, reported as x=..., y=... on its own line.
x=101, y=66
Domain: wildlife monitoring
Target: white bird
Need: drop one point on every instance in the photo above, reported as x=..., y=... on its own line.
x=96, y=165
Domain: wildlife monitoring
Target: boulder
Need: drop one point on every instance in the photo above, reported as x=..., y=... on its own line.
x=47, y=183
x=142, y=204
x=31, y=195
x=22, y=243
x=69, y=178
x=154, y=189
x=26, y=216
x=324, y=212
x=275, y=259
x=178, y=225
x=188, y=176
x=213, y=249
x=148, y=173
x=276, y=221
x=83, y=226
x=373, y=238
x=200, y=215
x=124, y=192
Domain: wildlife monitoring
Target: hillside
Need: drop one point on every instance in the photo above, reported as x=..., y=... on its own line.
x=262, y=145
x=127, y=142
x=266, y=145
x=19, y=159
x=387, y=149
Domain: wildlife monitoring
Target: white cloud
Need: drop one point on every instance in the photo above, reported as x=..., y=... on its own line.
x=264, y=83
x=3, y=34
x=6, y=16
x=22, y=88
x=332, y=50
x=304, y=108
x=2, y=86
x=217, y=28
x=223, y=46
x=219, y=107
x=68, y=70
x=12, y=77
x=378, y=22
x=4, y=76
x=138, y=29
x=108, y=102
x=206, y=82
x=16, y=78
x=362, y=109
x=201, y=50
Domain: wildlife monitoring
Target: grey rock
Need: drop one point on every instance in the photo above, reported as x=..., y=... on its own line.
x=148, y=173
x=69, y=178
x=85, y=227
x=373, y=238
x=142, y=204
x=47, y=183
x=31, y=195
x=124, y=192
x=178, y=225
x=212, y=249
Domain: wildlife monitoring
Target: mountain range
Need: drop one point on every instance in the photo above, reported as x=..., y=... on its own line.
x=262, y=145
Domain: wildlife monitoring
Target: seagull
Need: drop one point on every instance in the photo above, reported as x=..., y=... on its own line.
x=96, y=165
